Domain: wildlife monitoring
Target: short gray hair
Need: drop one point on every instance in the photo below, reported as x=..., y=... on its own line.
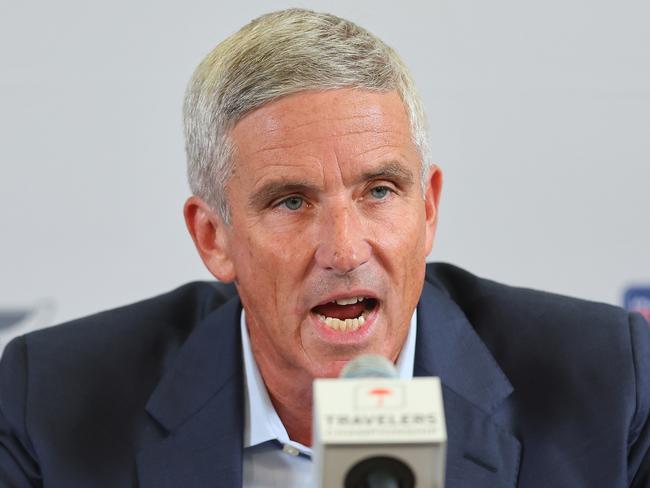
x=278, y=54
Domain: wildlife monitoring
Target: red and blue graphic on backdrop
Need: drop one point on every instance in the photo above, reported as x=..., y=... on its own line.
x=637, y=299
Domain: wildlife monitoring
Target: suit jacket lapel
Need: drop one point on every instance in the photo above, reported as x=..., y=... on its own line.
x=480, y=453
x=199, y=405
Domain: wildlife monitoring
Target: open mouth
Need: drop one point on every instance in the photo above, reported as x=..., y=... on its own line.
x=346, y=314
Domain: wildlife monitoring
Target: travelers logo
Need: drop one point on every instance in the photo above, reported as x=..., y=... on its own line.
x=379, y=397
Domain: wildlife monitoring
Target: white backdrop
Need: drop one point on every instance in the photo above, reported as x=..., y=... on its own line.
x=539, y=114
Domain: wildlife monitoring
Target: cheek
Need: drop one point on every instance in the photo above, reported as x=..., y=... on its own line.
x=402, y=247
x=267, y=260
x=402, y=238
x=275, y=252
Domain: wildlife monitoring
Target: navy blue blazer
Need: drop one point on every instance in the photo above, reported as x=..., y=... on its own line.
x=539, y=391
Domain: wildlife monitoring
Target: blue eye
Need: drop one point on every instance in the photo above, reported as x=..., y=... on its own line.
x=379, y=192
x=292, y=203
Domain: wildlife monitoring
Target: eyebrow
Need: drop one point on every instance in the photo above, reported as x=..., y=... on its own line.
x=391, y=171
x=280, y=187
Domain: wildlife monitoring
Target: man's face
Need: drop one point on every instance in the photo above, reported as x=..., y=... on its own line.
x=329, y=228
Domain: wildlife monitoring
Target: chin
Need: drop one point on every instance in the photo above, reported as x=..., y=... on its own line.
x=331, y=368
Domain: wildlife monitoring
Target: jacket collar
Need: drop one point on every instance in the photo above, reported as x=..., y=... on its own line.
x=480, y=452
x=199, y=404
x=449, y=347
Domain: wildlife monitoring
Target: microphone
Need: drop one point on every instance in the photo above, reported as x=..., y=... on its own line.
x=374, y=430
x=369, y=366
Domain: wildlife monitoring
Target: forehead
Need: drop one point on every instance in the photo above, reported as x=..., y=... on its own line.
x=346, y=125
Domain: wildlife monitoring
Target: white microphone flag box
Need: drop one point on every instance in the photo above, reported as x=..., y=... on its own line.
x=356, y=419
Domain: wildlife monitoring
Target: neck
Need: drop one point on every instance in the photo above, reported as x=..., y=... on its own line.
x=291, y=395
x=296, y=417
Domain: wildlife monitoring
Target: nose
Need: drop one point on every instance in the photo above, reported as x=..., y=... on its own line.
x=344, y=242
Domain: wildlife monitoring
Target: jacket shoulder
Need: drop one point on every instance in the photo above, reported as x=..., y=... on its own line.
x=171, y=315
x=530, y=331
x=82, y=386
x=132, y=345
x=506, y=305
x=136, y=342
x=579, y=363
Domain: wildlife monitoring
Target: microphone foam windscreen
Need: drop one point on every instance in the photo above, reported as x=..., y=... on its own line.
x=369, y=366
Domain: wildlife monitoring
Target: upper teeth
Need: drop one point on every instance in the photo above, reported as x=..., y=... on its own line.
x=348, y=301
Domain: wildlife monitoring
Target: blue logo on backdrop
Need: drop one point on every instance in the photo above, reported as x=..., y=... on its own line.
x=637, y=299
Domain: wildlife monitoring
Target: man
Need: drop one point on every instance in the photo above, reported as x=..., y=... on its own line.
x=314, y=194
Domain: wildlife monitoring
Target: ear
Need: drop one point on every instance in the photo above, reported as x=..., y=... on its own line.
x=210, y=236
x=432, y=191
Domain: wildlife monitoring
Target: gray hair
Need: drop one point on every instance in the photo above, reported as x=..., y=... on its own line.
x=278, y=54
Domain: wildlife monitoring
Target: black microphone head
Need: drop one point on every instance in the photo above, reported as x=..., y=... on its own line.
x=369, y=366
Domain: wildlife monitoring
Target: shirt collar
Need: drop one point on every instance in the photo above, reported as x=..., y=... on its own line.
x=262, y=423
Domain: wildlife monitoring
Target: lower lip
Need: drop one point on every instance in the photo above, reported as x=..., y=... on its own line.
x=349, y=336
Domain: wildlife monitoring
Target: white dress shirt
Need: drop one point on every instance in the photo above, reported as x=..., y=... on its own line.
x=270, y=458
